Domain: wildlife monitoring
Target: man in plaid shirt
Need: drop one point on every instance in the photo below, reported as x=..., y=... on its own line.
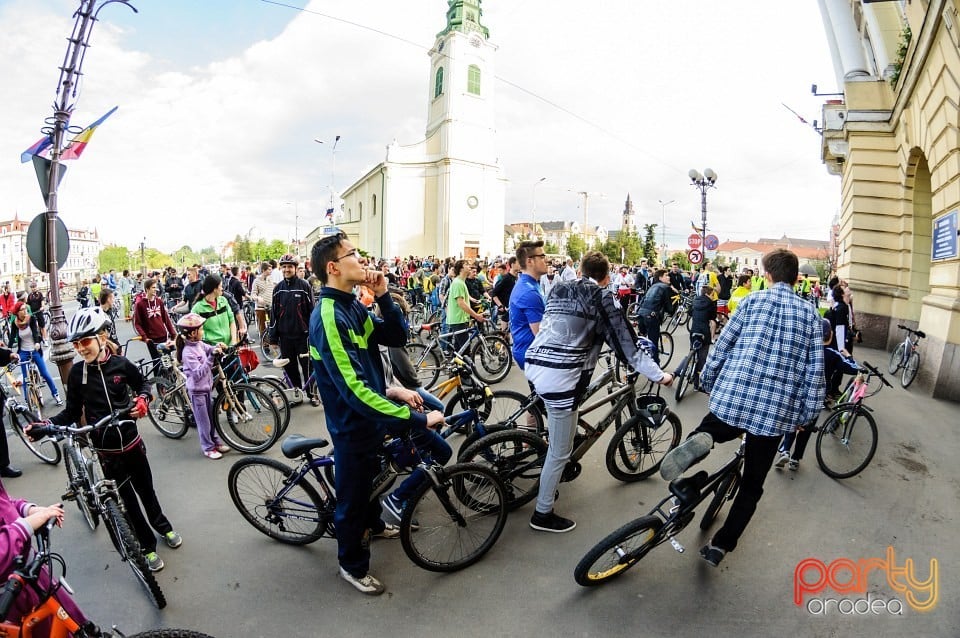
x=765, y=379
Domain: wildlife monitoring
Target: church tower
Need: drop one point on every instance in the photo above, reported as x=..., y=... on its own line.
x=461, y=136
x=629, y=224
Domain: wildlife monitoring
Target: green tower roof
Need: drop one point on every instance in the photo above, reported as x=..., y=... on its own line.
x=464, y=16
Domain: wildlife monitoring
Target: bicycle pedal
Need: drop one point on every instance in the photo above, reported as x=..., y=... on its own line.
x=677, y=546
x=69, y=495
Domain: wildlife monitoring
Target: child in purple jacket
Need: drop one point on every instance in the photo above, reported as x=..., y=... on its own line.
x=197, y=359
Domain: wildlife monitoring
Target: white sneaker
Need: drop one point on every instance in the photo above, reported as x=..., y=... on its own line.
x=782, y=461
x=365, y=585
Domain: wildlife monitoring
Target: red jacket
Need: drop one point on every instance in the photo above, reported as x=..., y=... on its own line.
x=151, y=321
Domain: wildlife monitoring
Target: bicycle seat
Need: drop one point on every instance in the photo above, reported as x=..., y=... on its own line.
x=687, y=489
x=297, y=445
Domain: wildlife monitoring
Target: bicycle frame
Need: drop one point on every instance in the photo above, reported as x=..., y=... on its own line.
x=622, y=396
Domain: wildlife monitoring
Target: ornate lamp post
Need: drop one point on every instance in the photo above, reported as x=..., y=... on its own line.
x=704, y=181
x=663, y=228
x=56, y=127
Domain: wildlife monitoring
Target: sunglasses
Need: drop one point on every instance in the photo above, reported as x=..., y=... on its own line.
x=86, y=342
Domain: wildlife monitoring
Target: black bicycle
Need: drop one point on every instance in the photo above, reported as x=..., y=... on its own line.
x=623, y=548
x=686, y=371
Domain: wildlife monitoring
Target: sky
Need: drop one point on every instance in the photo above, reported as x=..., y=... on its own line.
x=221, y=101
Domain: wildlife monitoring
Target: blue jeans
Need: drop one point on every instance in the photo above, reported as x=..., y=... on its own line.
x=37, y=357
x=428, y=443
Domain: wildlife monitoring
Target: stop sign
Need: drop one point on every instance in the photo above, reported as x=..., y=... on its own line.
x=694, y=241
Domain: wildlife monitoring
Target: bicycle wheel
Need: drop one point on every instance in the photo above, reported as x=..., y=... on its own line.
x=168, y=412
x=675, y=320
x=491, y=359
x=684, y=375
x=458, y=521
x=637, y=449
x=80, y=486
x=666, y=349
x=170, y=633
x=246, y=419
x=910, y=369
x=121, y=532
x=270, y=350
x=46, y=449
x=516, y=456
x=267, y=494
x=34, y=400
x=618, y=552
x=274, y=389
x=426, y=362
x=896, y=358
x=725, y=491
x=501, y=408
x=847, y=441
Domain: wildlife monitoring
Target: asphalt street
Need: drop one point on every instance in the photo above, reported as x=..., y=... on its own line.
x=229, y=580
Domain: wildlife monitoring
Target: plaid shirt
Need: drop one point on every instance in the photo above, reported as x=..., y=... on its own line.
x=766, y=373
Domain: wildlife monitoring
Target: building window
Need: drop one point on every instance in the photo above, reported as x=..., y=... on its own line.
x=438, y=83
x=473, y=79
x=359, y=211
x=374, y=205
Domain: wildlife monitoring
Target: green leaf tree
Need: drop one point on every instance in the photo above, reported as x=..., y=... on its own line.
x=550, y=247
x=114, y=257
x=681, y=260
x=650, y=242
x=576, y=247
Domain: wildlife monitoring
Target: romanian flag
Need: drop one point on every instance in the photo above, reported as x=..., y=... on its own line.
x=73, y=150
x=37, y=149
x=695, y=229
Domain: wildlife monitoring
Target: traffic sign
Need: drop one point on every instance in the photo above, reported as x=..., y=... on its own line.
x=695, y=256
x=711, y=242
x=37, y=242
x=693, y=241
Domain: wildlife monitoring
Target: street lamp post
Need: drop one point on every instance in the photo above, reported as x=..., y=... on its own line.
x=703, y=181
x=663, y=228
x=533, y=226
x=143, y=259
x=296, y=226
x=333, y=170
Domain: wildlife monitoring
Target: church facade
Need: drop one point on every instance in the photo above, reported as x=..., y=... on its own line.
x=444, y=195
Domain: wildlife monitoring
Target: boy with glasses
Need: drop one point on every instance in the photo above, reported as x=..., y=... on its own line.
x=526, y=300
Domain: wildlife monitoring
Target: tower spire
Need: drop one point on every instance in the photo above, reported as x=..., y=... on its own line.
x=464, y=16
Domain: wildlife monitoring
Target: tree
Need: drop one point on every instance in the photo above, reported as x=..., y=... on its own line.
x=115, y=258
x=576, y=247
x=650, y=242
x=243, y=249
x=551, y=248
x=680, y=258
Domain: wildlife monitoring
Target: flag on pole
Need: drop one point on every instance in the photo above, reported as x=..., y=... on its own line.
x=37, y=149
x=329, y=215
x=73, y=150
x=695, y=229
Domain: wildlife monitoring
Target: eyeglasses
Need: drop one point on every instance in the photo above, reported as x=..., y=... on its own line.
x=86, y=342
x=352, y=253
x=539, y=255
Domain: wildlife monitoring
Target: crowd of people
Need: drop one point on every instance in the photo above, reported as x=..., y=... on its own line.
x=338, y=310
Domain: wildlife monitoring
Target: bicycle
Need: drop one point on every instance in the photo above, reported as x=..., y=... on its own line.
x=686, y=372
x=295, y=394
x=33, y=382
x=491, y=354
x=844, y=449
x=46, y=449
x=244, y=416
x=681, y=316
x=906, y=356
x=450, y=522
x=99, y=499
x=624, y=547
x=27, y=573
x=641, y=439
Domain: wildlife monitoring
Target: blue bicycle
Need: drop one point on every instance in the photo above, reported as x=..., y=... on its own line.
x=450, y=522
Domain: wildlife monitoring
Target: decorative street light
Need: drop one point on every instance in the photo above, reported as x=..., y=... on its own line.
x=663, y=228
x=533, y=227
x=708, y=179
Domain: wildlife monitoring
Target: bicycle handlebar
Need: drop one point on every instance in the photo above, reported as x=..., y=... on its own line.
x=26, y=571
x=876, y=373
x=50, y=429
x=919, y=333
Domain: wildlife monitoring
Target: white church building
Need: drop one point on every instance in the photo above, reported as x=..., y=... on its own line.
x=444, y=195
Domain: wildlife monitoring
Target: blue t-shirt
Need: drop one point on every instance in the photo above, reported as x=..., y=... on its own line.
x=526, y=307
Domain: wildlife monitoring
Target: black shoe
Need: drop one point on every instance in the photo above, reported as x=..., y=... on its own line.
x=550, y=522
x=10, y=472
x=711, y=554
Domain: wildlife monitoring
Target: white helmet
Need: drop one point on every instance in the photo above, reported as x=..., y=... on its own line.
x=88, y=322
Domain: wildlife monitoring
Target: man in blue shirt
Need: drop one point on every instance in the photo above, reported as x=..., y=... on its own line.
x=526, y=301
x=765, y=379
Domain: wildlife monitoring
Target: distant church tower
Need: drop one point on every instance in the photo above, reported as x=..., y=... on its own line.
x=629, y=224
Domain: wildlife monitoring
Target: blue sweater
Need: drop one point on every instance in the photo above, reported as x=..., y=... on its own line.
x=344, y=346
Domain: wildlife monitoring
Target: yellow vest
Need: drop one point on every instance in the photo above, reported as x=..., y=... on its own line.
x=736, y=297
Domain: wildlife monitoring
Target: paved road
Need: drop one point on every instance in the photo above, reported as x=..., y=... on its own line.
x=230, y=581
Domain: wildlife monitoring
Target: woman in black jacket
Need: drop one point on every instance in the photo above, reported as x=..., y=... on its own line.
x=26, y=339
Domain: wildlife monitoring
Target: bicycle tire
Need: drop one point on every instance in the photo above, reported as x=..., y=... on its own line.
x=516, y=456
x=500, y=408
x=458, y=521
x=636, y=442
x=130, y=550
x=270, y=350
x=80, y=484
x=896, y=358
x=684, y=374
x=725, y=491
x=426, y=362
x=910, y=369
x=168, y=413
x=275, y=389
x=170, y=633
x=839, y=455
x=492, y=359
x=254, y=484
x=34, y=400
x=46, y=449
x=666, y=349
x=609, y=558
x=252, y=425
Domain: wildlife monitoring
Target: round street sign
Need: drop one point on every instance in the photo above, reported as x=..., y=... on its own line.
x=693, y=241
x=711, y=242
x=695, y=256
x=37, y=242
